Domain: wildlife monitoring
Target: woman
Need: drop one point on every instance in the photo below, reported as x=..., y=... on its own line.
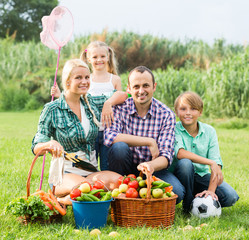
x=72, y=122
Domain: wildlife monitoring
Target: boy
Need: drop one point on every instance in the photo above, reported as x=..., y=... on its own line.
x=196, y=149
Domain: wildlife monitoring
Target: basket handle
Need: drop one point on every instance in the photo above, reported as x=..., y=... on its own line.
x=149, y=181
x=31, y=169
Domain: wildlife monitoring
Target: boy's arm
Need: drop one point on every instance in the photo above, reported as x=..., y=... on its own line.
x=211, y=189
x=216, y=173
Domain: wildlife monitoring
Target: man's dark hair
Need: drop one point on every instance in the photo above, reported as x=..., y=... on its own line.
x=141, y=69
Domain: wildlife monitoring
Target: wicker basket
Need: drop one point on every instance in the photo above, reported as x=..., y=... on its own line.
x=133, y=212
x=27, y=219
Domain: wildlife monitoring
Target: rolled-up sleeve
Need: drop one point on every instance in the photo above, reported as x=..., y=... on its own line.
x=178, y=141
x=166, y=138
x=117, y=127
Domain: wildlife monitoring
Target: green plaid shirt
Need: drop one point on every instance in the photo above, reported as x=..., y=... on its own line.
x=58, y=121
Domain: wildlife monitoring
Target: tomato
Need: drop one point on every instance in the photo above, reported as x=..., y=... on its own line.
x=49, y=205
x=131, y=193
x=126, y=180
x=132, y=176
x=99, y=184
x=133, y=184
x=120, y=180
x=75, y=193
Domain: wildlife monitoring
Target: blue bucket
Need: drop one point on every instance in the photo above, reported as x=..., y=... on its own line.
x=90, y=214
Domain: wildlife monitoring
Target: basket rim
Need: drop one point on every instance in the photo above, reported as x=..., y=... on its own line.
x=146, y=200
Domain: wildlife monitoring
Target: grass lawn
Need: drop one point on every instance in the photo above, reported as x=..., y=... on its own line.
x=16, y=133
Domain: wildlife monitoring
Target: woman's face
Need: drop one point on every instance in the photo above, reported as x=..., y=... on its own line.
x=79, y=80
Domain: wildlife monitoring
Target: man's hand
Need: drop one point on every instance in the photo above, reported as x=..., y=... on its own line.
x=153, y=148
x=145, y=165
x=216, y=173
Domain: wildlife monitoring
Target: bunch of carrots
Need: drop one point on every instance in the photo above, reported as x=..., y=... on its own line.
x=50, y=200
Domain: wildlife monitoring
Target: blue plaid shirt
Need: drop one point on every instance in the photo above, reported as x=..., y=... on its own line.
x=159, y=123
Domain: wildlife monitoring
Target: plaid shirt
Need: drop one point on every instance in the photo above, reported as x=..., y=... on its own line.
x=159, y=123
x=58, y=121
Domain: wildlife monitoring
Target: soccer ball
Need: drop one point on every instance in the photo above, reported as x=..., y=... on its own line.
x=205, y=207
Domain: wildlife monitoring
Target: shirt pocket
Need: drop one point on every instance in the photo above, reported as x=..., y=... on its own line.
x=65, y=130
x=153, y=134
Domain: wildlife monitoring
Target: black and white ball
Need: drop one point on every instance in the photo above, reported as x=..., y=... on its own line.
x=205, y=207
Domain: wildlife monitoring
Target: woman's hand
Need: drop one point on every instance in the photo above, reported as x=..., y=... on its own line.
x=107, y=114
x=56, y=148
x=55, y=91
x=206, y=193
x=145, y=165
x=216, y=173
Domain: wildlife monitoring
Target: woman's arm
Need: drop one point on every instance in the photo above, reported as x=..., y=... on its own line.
x=53, y=145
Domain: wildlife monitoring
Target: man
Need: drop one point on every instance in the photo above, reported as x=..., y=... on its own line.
x=142, y=134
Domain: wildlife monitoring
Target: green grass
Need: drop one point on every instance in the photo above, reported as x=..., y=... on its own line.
x=16, y=133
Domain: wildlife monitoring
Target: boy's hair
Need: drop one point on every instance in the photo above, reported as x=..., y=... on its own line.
x=141, y=69
x=112, y=66
x=192, y=98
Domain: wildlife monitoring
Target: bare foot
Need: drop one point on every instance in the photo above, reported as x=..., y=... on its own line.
x=65, y=200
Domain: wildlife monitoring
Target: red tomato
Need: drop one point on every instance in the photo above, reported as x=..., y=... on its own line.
x=49, y=205
x=131, y=193
x=133, y=184
x=75, y=193
x=120, y=180
x=126, y=180
x=99, y=184
x=132, y=176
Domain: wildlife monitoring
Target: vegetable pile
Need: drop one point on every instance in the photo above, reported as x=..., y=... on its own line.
x=136, y=187
x=39, y=204
x=91, y=193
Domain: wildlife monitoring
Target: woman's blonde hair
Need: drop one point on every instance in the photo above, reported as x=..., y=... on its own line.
x=192, y=98
x=66, y=72
x=112, y=66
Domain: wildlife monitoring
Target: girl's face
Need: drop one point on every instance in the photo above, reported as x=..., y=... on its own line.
x=79, y=80
x=98, y=57
x=187, y=114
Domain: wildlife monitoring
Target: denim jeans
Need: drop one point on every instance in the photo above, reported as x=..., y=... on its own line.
x=194, y=184
x=121, y=161
x=101, y=151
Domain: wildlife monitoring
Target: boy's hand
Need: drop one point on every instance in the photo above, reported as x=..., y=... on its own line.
x=216, y=173
x=55, y=91
x=206, y=193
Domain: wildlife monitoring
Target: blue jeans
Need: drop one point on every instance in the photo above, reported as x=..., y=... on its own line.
x=194, y=183
x=121, y=161
x=101, y=151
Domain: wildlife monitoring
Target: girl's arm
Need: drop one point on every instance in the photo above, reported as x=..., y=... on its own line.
x=107, y=114
x=216, y=173
x=55, y=90
x=117, y=83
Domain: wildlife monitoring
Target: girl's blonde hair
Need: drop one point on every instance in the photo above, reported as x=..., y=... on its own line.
x=192, y=98
x=66, y=73
x=112, y=66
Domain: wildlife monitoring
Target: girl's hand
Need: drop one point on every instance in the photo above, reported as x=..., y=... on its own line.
x=206, y=193
x=145, y=165
x=55, y=91
x=56, y=148
x=216, y=173
x=107, y=114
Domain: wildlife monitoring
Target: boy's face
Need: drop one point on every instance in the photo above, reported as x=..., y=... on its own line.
x=187, y=114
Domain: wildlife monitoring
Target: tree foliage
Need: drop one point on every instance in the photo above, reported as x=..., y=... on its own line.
x=23, y=17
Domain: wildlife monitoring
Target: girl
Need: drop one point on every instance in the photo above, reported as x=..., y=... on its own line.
x=72, y=121
x=103, y=79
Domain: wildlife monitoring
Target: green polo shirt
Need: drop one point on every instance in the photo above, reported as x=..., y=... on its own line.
x=58, y=121
x=205, y=144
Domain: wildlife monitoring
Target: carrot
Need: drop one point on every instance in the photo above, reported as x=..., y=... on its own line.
x=169, y=189
x=156, y=178
x=56, y=204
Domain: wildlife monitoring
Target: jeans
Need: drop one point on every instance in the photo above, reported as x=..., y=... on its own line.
x=101, y=151
x=194, y=184
x=121, y=161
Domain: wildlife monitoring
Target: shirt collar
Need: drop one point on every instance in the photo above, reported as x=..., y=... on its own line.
x=201, y=128
x=132, y=108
